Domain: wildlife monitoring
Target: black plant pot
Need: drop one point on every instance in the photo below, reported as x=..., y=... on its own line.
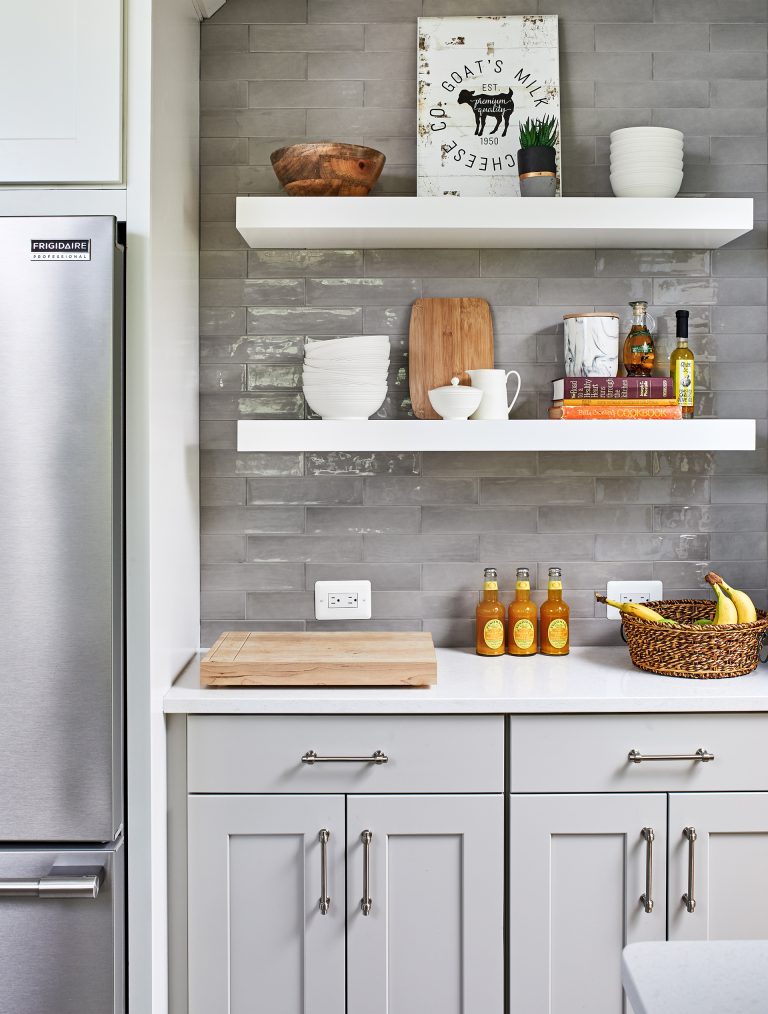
x=537, y=170
x=538, y=159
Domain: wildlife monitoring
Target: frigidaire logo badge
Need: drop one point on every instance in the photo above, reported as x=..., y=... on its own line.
x=60, y=250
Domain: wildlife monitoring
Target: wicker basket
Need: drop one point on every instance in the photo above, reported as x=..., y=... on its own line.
x=696, y=652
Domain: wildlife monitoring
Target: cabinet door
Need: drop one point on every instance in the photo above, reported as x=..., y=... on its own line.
x=433, y=939
x=729, y=881
x=258, y=941
x=577, y=871
x=60, y=78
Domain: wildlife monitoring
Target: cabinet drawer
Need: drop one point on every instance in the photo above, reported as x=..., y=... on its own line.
x=453, y=753
x=589, y=753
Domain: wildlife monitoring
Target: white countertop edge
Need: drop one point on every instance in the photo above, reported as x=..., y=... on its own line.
x=589, y=680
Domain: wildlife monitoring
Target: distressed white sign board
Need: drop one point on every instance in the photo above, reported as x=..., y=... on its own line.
x=479, y=78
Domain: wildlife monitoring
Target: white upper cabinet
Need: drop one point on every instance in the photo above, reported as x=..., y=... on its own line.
x=61, y=82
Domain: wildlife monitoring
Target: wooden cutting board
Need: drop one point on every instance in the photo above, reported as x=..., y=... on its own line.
x=291, y=659
x=446, y=337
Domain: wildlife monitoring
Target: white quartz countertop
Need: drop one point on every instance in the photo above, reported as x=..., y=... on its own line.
x=700, y=977
x=588, y=680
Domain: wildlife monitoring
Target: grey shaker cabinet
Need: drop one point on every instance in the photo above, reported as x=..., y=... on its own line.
x=429, y=873
x=577, y=873
x=258, y=940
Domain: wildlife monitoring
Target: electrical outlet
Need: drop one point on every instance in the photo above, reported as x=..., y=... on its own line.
x=632, y=591
x=342, y=600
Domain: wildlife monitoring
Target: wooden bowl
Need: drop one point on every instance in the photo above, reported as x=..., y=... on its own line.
x=326, y=188
x=339, y=164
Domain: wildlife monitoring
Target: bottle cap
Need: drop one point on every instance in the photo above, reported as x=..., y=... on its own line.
x=555, y=573
x=682, y=323
x=490, y=573
x=523, y=574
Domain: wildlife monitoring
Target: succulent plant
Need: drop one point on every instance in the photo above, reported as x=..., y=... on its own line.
x=539, y=133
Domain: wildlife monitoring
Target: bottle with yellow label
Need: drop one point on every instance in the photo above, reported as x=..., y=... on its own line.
x=522, y=617
x=555, y=617
x=489, y=618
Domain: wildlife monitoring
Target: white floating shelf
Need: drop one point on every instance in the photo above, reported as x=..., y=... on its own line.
x=515, y=435
x=437, y=222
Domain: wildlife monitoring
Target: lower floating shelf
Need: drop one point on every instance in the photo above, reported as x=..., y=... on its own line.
x=514, y=435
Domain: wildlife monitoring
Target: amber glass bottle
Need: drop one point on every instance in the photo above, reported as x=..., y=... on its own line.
x=489, y=618
x=555, y=617
x=639, y=350
x=521, y=629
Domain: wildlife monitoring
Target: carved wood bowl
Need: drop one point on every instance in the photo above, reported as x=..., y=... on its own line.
x=340, y=166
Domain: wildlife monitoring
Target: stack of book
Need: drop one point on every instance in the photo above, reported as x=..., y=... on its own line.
x=614, y=398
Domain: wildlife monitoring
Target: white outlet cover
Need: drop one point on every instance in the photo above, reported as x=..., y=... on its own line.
x=632, y=591
x=326, y=591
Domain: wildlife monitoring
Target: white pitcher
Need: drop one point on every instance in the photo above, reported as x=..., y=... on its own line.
x=493, y=384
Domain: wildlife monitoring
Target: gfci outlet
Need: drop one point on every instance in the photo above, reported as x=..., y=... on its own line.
x=342, y=600
x=632, y=591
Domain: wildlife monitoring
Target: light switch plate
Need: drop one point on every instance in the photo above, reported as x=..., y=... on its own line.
x=342, y=600
x=632, y=591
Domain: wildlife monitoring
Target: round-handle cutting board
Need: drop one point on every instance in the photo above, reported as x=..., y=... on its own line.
x=446, y=337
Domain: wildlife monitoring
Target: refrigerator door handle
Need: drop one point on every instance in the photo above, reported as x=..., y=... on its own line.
x=61, y=882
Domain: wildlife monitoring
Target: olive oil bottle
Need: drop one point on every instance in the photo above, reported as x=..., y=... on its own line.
x=489, y=617
x=521, y=629
x=681, y=366
x=555, y=617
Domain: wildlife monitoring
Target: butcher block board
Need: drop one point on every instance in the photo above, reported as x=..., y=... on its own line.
x=445, y=338
x=297, y=659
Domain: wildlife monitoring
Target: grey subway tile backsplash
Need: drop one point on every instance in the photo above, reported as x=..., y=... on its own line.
x=421, y=526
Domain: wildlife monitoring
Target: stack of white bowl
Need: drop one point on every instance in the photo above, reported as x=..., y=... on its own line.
x=346, y=378
x=646, y=162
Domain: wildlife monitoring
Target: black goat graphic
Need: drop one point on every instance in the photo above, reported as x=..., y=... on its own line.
x=499, y=105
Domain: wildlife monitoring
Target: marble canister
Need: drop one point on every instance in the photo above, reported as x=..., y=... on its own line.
x=591, y=344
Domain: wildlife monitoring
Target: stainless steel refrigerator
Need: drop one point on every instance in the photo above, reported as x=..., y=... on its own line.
x=62, y=884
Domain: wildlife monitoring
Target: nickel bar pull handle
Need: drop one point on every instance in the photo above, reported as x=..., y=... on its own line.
x=62, y=885
x=701, y=755
x=688, y=898
x=325, y=901
x=377, y=757
x=647, y=899
x=366, y=902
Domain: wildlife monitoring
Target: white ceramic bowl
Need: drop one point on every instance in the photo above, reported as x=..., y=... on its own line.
x=455, y=402
x=641, y=154
x=648, y=164
x=352, y=343
x=646, y=188
x=647, y=133
x=647, y=146
x=346, y=406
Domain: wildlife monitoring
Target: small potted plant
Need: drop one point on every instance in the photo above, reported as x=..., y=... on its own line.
x=536, y=160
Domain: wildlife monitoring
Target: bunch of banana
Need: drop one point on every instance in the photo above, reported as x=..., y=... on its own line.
x=639, y=610
x=733, y=606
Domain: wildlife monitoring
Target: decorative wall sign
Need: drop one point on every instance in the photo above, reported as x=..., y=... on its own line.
x=479, y=78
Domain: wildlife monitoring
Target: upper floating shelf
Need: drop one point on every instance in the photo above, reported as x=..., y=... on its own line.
x=515, y=435
x=318, y=223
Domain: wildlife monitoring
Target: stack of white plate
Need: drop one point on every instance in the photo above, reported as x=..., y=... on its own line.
x=646, y=162
x=346, y=378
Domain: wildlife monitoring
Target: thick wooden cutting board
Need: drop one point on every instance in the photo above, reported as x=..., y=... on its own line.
x=297, y=659
x=446, y=337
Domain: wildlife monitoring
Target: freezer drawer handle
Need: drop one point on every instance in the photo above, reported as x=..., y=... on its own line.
x=701, y=755
x=61, y=882
x=377, y=757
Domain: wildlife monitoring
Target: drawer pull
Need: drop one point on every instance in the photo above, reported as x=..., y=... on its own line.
x=688, y=898
x=701, y=755
x=647, y=899
x=325, y=901
x=366, y=902
x=377, y=757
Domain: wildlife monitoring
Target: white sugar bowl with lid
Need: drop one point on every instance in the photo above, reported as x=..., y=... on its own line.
x=591, y=344
x=456, y=401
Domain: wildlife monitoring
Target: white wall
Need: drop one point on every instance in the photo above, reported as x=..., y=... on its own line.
x=162, y=442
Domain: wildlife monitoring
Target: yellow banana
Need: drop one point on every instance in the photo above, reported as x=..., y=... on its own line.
x=639, y=610
x=725, y=611
x=745, y=607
